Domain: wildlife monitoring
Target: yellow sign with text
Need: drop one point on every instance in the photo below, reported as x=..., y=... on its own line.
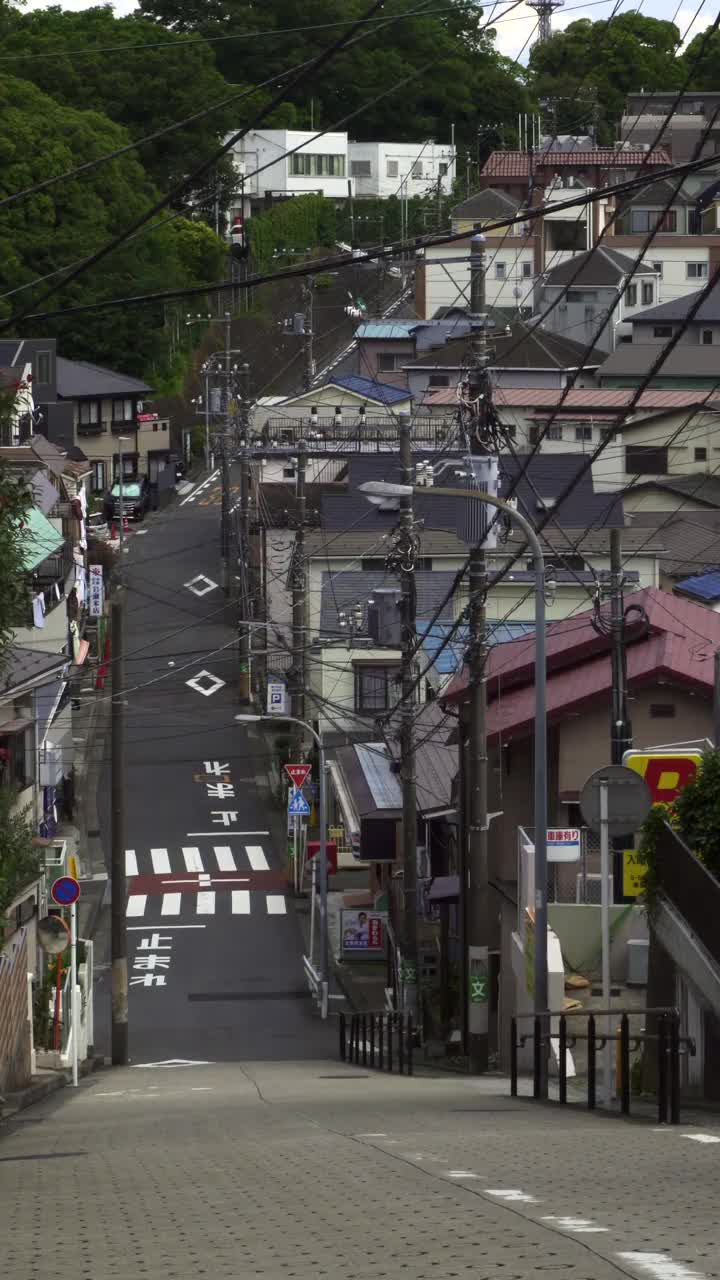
x=665, y=772
x=633, y=873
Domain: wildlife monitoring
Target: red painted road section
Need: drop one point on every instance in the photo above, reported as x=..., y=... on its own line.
x=187, y=882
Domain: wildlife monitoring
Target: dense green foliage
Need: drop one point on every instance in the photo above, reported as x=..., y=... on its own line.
x=15, y=498
x=20, y=860
x=695, y=815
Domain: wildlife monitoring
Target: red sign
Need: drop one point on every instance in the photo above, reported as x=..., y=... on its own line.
x=297, y=773
x=313, y=850
x=147, y=417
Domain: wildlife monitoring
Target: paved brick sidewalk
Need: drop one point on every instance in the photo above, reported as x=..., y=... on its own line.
x=317, y=1169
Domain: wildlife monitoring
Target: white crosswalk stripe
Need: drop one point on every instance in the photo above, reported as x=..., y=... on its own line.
x=206, y=902
x=275, y=904
x=224, y=857
x=240, y=902
x=171, y=904
x=136, y=904
x=256, y=857
x=160, y=861
x=193, y=861
x=131, y=866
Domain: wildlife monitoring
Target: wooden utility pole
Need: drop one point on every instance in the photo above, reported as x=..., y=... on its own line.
x=118, y=881
x=247, y=594
x=410, y=972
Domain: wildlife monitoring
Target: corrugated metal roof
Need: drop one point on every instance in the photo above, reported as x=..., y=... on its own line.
x=40, y=539
x=702, y=586
x=394, y=329
x=587, y=399
x=22, y=665
x=516, y=164
x=385, y=787
x=687, y=360
x=369, y=388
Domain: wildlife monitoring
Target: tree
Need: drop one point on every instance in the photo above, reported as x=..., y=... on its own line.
x=15, y=498
x=463, y=86
x=696, y=812
x=66, y=223
x=701, y=58
x=587, y=70
x=91, y=61
x=20, y=860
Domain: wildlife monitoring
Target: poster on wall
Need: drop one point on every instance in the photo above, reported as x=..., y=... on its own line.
x=363, y=932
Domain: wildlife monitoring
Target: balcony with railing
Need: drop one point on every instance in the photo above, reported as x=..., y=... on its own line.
x=351, y=435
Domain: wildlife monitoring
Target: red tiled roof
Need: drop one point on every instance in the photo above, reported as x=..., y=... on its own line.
x=586, y=399
x=679, y=649
x=516, y=164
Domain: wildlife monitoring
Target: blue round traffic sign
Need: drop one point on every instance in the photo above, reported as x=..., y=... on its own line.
x=65, y=891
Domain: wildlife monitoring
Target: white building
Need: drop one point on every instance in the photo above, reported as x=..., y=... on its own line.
x=264, y=166
x=401, y=168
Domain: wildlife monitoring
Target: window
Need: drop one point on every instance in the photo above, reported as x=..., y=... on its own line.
x=700, y=455
x=122, y=411
x=360, y=169
x=583, y=433
x=500, y=270
x=662, y=711
x=439, y=380
x=288, y=473
x=386, y=362
x=696, y=270
x=43, y=365
x=443, y=168
x=646, y=460
x=647, y=295
x=631, y=295
x=89, y=413
x=658, y=268
x=706, y=337
x=374, y=688
x=554, y=433
x=662, y=331
x=304, y=165
x=393, y=168
x=17, y=759
x=527, y=270
x=653, y=219
x=98, y=476
x=417, y=170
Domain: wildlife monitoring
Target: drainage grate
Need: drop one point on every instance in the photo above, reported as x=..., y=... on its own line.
x=303, y=994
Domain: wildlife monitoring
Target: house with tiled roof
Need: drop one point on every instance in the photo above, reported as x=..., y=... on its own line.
x=670, y=644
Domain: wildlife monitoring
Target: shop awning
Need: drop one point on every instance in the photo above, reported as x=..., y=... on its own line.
x=40, y=539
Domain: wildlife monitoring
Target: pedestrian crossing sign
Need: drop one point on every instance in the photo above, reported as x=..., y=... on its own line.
x=298, y=805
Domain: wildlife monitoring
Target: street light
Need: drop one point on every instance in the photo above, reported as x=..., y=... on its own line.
x=375, y=489
x=250, y=718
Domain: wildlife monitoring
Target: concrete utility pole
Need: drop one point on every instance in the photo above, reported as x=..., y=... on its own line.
x=620, y=726
x=308, y=356
x=409, y=974
x=118, y=882
x=477, y=889
x=299, y=588
x=247, y=594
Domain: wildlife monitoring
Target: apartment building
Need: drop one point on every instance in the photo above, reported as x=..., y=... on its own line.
x=401, y=168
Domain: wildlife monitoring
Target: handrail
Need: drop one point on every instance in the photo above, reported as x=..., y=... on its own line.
x=599, y=1013
x=382, y=1040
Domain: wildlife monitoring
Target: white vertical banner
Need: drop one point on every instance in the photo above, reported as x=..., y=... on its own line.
x=97, y=590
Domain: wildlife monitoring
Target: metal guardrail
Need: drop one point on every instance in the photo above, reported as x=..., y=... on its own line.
x=668, y=1042
x=384, y=1040
x=690, y=887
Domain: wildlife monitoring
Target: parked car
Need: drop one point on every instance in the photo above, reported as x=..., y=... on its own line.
x=135, y=498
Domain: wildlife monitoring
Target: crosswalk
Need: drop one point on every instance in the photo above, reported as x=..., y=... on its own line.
x=158, y=862
x=191, y=884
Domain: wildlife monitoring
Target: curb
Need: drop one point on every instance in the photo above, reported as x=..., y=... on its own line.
x=42, y=1087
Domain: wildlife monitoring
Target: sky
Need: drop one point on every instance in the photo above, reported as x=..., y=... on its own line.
x=515, y=32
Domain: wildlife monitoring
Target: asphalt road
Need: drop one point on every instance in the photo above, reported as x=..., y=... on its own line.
x=214, y=947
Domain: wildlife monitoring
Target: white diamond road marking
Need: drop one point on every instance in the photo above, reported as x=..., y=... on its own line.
x=659, y=1265
x=240, y=902
x=136, y=904
x=700, y=1137
x=256, y=857
x=201, y=586
x=131, y=866
x=461, y=1173
x=193, y=861
x=171, y=904
x=205, y=683
x=512, y=1194
x=224, y=857
x=275, y=904
x=206, y=903
x=160, y=861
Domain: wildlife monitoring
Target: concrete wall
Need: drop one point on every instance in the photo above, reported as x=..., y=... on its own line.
x=268, y=146
x=15, y=1022
x=392, y=169
x=578, y=930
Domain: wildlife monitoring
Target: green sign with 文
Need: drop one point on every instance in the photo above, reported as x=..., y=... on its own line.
x=408, y=973
x=478, y=990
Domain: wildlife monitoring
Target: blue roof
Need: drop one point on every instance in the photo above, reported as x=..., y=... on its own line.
x=393, y=329
x=369, y=388
x=702, y=586
x=451, y=657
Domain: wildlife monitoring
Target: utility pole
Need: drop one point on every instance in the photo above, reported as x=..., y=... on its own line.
x=308, y=357
x=247, y=595
x=620, y=727
x=299, y=588
x=351, y=210
x=409, y=974
x=477, y=906
x=716, y=703
x=225, y=466
x=118, y=883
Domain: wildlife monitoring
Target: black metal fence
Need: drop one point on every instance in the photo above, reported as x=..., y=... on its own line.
x=384, y=1041
x=664, y=1041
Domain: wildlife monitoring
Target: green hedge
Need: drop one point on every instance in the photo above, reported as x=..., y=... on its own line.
x=305, y=222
